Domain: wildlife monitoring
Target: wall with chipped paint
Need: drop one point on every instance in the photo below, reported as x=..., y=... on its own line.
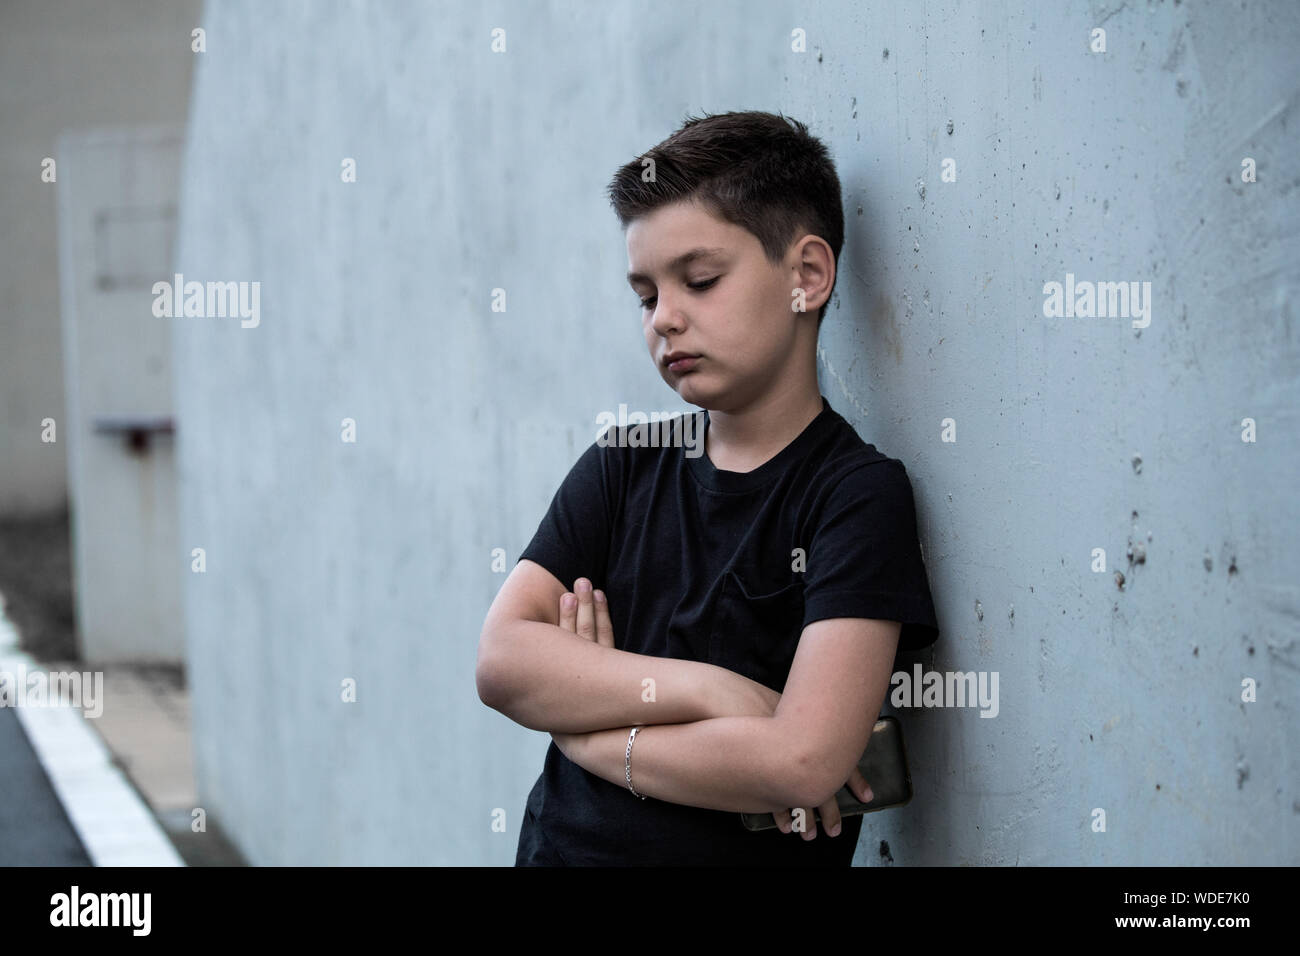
x=481, y=170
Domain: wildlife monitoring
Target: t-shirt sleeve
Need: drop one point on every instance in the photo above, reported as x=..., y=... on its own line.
x=865, y=557
x=572, y=540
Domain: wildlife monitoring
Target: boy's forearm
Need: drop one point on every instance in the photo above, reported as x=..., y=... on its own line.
x=742, y=764
x=550, y=679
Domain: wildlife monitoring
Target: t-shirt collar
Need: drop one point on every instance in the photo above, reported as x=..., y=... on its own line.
x=736, y=481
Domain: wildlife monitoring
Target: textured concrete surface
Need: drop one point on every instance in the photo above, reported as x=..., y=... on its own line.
x=145, y=722
x=371, y=561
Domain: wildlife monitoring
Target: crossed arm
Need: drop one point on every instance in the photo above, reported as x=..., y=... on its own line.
x=715, y=739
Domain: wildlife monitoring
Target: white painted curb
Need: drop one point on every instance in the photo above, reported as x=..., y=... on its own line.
x=114, y=824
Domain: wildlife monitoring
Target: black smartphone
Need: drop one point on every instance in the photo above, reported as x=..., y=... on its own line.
x=883, y=764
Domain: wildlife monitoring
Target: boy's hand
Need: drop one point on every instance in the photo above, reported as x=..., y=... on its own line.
x=587, y=614
x=829, y=811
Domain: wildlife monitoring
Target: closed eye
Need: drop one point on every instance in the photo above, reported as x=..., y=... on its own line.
x=697, y=286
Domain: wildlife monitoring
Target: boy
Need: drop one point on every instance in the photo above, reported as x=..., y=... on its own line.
x=736, y=649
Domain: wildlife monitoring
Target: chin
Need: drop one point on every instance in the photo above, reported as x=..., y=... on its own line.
x=690, y=391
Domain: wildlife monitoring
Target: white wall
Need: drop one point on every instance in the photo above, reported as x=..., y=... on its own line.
x=64, y=64
x=117, y=226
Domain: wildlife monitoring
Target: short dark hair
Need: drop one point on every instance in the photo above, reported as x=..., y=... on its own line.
x=762, y=171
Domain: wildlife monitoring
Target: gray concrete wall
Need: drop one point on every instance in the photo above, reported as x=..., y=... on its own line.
x=64, y=65
x=371, y=561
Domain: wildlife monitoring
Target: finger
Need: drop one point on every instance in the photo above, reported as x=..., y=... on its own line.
x=586, y=610
x=782, y=818
x=859, y=786
x=569, y=612
x=830, y=815
x=604, y=626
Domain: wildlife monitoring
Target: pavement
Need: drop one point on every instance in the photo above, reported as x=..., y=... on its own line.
x=34, y=828
x=102, y=782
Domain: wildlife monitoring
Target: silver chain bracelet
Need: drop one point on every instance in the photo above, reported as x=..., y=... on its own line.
x=627, y=762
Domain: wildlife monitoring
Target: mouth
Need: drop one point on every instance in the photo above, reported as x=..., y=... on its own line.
x=680, y=361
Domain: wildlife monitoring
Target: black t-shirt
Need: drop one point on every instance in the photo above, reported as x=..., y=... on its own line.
x=701, y=564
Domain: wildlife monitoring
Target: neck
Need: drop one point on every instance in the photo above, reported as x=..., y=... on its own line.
x=742, y=438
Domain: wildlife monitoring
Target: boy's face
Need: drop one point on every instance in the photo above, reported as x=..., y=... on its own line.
x=737, y=319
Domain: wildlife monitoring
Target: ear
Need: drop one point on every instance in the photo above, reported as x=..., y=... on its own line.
x=815, y=268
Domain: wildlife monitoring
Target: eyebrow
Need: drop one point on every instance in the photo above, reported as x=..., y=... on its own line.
x=685, y=259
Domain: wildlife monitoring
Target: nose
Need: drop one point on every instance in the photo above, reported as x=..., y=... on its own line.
x=666, y=318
